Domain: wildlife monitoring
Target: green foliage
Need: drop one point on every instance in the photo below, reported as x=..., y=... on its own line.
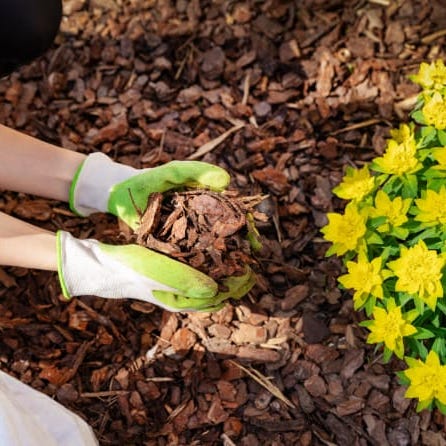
x=396, y=266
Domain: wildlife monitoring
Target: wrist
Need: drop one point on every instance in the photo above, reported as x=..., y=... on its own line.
x=36, y=251
x=25, y=245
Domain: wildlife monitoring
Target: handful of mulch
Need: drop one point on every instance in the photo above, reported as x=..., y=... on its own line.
x=212, y=232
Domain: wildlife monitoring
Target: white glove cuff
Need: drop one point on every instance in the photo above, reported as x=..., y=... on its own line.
x=90, y=189
x=84, y=269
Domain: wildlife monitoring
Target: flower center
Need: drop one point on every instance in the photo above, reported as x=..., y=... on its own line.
x=392, y=325
x=431, y=381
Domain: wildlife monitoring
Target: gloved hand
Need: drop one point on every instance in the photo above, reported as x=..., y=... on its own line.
x=102, y=185
x=88, y=267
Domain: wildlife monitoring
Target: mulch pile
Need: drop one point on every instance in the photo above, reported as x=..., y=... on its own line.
x=283, y=95
x=207, y=230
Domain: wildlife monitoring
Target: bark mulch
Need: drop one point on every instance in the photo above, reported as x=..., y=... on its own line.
x=282, y=94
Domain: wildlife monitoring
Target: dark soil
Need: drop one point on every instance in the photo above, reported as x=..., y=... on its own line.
x=282, y=94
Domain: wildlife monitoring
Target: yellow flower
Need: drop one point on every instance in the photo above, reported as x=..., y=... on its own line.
x=365, y=278
x=403, y=134
x=431, y=76
x=394, y=210
x=434, y=111
x=390, y=327
x=344, y=231
x=419, y=272
x=431, y=210
x=399, y=158
x=356, y=184
x=427, y=380
x=439, y=154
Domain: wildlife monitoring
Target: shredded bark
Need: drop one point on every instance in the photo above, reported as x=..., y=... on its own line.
x=205, y=229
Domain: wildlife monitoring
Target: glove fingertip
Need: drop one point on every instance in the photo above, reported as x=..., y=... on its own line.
x=218, y=179
x=205, y=288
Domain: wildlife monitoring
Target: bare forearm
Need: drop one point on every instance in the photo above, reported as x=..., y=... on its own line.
x=25, y=245
x=32, y=166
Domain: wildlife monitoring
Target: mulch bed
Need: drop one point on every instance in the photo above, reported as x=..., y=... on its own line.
x=283, y=95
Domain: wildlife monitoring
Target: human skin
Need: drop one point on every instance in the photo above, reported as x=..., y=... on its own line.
x=25, y=245
x=34, y=167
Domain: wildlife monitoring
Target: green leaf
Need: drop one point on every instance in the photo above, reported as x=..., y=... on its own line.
x=424, y=319
x=440, y=332
x=432, y=174
x=403, y=298
x=441, y=407
x=411, y=315
x=428, y=134
x=402, y=378
x=419, y=304
x=423, y=333
x=331, y=251
x=370, y=305
x=365, y=324
x=417, y=347
x=418, y=117
x=435, y=245
x=424, y=405
x=376, y=167
x=349, y=255
x=393, y=186
x=377, y=221
x=372, y=238
x=401, y=233
x=442, y=137
x=435, y=321
x=387, y=252
x=381, y=179
x=389, y=286
x=439, y=347
x=436, y=183
x=410, y=186
x=429, y=233
x=412, y=225
x=441, y=307
x=387, y=355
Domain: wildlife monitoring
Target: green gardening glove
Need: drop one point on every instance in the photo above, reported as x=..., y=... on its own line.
x=88, y=267
x=102, y=185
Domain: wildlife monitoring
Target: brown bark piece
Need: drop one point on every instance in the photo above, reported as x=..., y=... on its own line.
x=203, y=228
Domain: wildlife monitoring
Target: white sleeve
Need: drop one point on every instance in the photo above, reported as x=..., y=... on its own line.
x=31, y=418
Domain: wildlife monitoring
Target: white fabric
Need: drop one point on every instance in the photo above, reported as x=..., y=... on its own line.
x=97, y=176
x=87, y=270
x=31, y=418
